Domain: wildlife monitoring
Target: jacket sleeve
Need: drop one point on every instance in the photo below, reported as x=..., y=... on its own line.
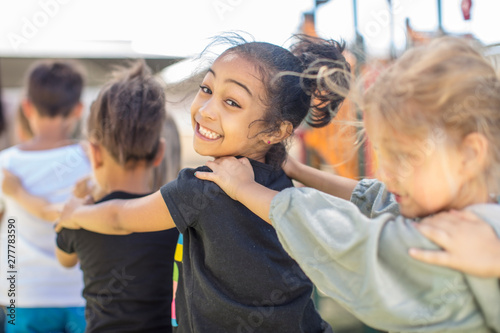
x=363, y=264
x=372, y=198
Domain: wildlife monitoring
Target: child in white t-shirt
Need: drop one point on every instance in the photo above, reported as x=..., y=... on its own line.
x=39, y=294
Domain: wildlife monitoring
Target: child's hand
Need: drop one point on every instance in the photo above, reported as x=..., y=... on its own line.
x=229, y=173
x=83, y=187
x=65, y=220
x=11, y=183
x=470, y=245
x=87, y=187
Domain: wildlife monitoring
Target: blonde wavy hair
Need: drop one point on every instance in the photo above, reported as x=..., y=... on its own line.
x=446, y=87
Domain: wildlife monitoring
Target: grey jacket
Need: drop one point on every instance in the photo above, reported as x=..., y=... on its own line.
x=357, y=253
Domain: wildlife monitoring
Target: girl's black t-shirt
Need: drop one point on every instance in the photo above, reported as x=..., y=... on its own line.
x=235, y=276
x=128, y=279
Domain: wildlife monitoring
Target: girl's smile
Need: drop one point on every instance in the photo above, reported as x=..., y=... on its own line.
x=205, y=133
x=397, y=197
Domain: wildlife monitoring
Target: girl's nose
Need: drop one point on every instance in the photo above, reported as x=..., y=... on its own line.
x=207, y=110
x=385, y=174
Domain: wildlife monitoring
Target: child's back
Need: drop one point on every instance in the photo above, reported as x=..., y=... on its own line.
x=233, y=267
x=128, y=279
x=48, y=165
x=50, y=174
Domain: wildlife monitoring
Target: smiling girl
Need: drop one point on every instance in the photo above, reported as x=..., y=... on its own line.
x=232, y=273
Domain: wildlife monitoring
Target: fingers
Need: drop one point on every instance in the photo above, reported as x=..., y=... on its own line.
x=88, y=200
x=204, y=175
x=212, y=164
x=57, y=226
x=431, y=257
x=245, y=161
x=445, y=219
x=456, y=223
x=435, y=234
x=465, y=215
x=227, y=162
x=83, y=187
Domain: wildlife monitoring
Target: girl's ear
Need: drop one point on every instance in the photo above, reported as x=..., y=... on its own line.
x=160, y=153
x=27, y=108
x=95, y=155
x=475, y=154
x=77, y=110
x=285, y=130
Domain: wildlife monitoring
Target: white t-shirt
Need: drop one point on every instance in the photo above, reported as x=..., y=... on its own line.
x=40, y=281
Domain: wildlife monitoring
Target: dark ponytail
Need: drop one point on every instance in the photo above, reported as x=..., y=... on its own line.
x=324, y=67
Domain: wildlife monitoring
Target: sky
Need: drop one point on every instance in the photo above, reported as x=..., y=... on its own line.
x=182, y=28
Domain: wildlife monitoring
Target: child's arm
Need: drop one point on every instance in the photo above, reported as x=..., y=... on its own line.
x=335, y=185
x=66, y=259
x=36, y=206
x=469, y=244
x=118, y=217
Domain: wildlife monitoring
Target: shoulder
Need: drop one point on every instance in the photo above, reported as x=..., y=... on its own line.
x=79, y=149
x=186, y=184
x=67, y=233
x=270, y=177
x=187, y=177
x=490, y=213
x=8, y=152
x=7, y=156
x=65, y=239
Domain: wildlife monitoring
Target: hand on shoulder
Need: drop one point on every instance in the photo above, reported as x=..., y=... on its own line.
x=229, y=173
x=469, y=244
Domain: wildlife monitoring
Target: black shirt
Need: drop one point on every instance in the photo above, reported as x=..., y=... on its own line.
x=235, y=276
x=128, y=279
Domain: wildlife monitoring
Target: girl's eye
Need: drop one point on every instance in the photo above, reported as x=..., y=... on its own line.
x=230, y=102
x=205, y=89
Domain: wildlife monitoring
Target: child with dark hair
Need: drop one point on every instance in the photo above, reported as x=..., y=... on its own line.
x=128, y=279
x=129, y=289
x=47, y=297
x=232, y=274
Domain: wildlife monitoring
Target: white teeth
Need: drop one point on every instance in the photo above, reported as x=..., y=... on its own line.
x=208, y=133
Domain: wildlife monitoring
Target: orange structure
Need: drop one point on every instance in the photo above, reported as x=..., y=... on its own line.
x=332, y=146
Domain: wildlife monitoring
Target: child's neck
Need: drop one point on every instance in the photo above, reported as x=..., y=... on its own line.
x=137, y=180
x=475, y=194
x=50, y=133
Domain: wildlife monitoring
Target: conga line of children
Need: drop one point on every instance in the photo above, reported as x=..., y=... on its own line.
x=236, y=273
x=241, y=109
